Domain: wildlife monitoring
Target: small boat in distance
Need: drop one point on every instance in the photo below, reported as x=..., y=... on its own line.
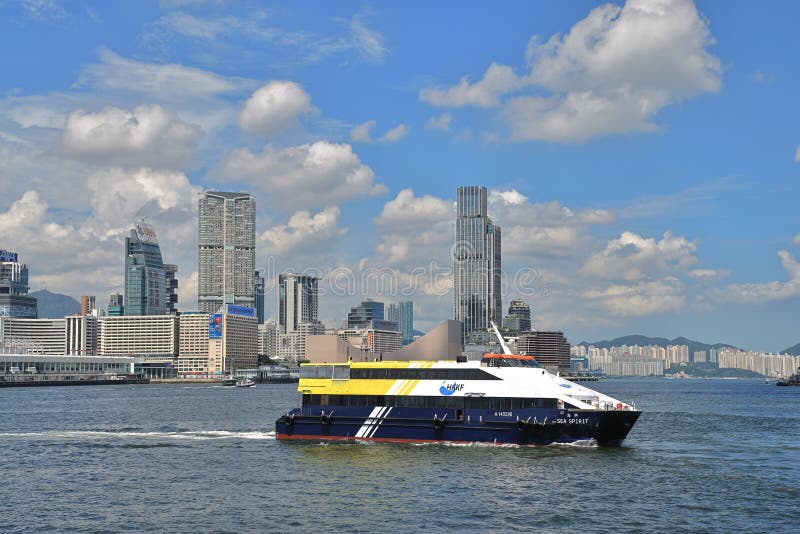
x=245, y=383
x=793, y=380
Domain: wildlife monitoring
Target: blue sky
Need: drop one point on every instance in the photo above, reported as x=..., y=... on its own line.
x=642, y=156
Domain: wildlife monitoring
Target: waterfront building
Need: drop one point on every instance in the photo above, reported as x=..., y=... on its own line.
x=268, y=333
x=35, y=336
x=145, y=280
x=116, y=305
x=699, y=356
x=171, y=288
x=360, y=316
x=374, y=340
x=518, y=318
x=193, y=353
x=258, y=286
x=82, y=333
x=88, y=304
x=17, y=363
x=476, y=262
x=298, y=301
x=292, y=345
x=551, y=349
x=233, y=339
x=153, y=337
x=226, y=250
x=14, y=298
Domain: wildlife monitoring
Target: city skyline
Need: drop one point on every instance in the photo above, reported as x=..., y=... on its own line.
x=627, y=221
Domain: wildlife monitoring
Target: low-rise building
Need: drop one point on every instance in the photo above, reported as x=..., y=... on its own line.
x=193, y=354
x=154, y=337
x=35, y=336
x=233, y=339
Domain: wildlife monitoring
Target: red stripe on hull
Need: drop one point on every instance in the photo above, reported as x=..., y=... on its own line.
x=306, y=437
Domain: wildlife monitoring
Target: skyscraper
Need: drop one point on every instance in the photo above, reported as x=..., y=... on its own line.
x=476, y=262
x=403, y=315
x=145, y=281
x=259, y=292
x=116, y=305
x=406, y=321
x=360, y=316
x=171, y=287
x=88, y=303
x=393, y=313
x=227, y=250
x=14, y=299
x=299, y=301
x=519, y=317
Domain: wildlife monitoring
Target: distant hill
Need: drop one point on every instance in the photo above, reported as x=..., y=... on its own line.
x=55, y=305
x=694, y=346
x=794, y=351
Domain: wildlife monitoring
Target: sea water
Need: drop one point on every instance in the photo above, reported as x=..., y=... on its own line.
x=706, y=455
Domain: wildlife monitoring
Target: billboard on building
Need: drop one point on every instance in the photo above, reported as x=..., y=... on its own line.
x=215, y=326
x=6, y=255
x=145, y=233
x=233, y=309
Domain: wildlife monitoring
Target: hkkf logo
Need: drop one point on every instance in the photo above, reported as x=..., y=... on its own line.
x=449, y=389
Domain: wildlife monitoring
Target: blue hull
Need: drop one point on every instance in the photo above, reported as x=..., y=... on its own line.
x=414, y=425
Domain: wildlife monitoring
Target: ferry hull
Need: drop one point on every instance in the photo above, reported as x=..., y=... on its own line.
x=387, y=424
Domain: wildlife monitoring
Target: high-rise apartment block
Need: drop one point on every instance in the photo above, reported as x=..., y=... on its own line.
x=88, y=304
x=298, y=301
x=171, y=288
x=116, y=305
x=403, y=315
x=518, y=318
x=476, y=262
x=551, y=349
x=227, y=251
x=145, y=280
x=14, y=299
x=259, y=291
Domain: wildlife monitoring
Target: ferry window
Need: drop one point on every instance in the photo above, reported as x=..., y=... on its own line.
x=341, y=372
x=454, y=402
x=519, y=404
x=323, y=399
x=306, y=398
x=493, y=404
x=550, y=403
x=473, y=403
x=314, y=399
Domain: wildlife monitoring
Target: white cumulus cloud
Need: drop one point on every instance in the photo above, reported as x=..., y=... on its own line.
x=304, y=230
x=643, y=298
x=440, y=122
x=632, y=257
x=395, y=134
x=362, y=133
x=304, y=176
x=611, y=73
x=755, y=293
x=274, y=107
x=145, y=136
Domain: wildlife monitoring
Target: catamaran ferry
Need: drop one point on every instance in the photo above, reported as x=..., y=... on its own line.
x=501, y=399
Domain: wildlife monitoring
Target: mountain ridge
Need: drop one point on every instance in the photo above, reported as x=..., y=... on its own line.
x=635, y=339
x=54, y=305
x=793, y=350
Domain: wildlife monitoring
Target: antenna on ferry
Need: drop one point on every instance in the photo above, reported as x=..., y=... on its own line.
x=506, y=350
